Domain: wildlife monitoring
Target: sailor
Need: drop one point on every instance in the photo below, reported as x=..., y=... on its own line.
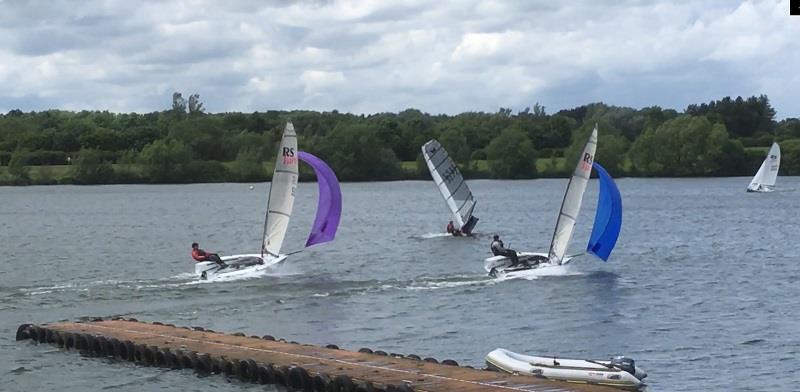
x=451, y=229
x=498, y=249
x=201, y=255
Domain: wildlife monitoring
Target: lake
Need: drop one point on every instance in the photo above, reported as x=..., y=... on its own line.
x=701, y=290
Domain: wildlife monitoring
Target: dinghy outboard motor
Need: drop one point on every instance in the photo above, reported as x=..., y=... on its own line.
x=627, y=365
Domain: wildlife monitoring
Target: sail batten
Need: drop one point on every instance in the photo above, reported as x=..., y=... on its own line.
x=329, y=203
x=281, y=193
x=451, y=184
x=571, y=204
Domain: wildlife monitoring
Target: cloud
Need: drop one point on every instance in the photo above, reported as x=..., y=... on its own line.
x=375, y=56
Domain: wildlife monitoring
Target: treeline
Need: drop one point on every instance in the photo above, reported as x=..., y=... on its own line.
x=185, y=144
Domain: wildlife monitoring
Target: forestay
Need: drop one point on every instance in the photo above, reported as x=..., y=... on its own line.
x=450, y=182
x=607, y=218
x=572, y=201
x=281, y=193
x=329, y=205
x=768, y=172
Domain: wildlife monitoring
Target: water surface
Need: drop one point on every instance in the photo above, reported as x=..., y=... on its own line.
x=701, y=290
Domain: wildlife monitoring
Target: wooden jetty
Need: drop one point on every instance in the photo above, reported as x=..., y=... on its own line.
x=268, y=361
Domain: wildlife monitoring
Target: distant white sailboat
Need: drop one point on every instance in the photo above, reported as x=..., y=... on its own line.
x=451, y=184
x=764, y=180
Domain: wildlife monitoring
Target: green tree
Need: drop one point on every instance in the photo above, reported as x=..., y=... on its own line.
x=247, y=167
x=456, y=145
x=17, y=169
x=790, y=157
x=164, y=160
x=89, y=167
x=686, y=146
x=354, y=152
x=512, y=155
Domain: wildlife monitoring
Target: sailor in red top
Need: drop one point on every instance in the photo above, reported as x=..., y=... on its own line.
x=201, y=255
x=451, y=229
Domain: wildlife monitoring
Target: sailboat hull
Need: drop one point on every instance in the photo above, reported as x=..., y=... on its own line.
x=761, y=189
x=500, y=266
x=237, y=265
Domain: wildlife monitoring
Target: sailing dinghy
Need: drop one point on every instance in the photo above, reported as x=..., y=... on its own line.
x=279, y=211
x=452, y=186
x=607, y=222
x=619, y=372
x=764, y=180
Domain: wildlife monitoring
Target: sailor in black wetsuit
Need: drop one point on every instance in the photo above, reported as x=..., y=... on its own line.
x=498, y=249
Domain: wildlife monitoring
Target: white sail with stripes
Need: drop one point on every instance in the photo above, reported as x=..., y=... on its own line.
x=281, y=193
x=572, y=201
x=450, y=182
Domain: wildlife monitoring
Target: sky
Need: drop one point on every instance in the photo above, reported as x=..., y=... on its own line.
x=387, y=56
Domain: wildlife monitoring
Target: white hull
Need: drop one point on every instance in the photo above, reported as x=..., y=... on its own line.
x=500, y=266
x=761, y=189
x=237, y=265
x=572, y=370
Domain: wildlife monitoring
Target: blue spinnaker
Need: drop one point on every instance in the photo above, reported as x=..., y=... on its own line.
x=329, y=205
x=608, y=218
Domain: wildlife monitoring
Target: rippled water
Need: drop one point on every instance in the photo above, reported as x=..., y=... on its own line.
x=701, y=290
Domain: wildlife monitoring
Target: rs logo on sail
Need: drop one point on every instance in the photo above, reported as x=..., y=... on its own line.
x=586, y=163
x=289, y=157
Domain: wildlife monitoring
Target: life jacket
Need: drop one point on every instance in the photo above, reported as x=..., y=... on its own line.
x=497, y=248
x=198, y=254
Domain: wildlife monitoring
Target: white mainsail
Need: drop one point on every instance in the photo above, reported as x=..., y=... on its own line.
x=450, y=182
x=768, y=172
x=281, y=193
x=572, y=201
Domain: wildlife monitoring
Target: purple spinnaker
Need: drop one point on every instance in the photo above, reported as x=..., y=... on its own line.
x=329, y=205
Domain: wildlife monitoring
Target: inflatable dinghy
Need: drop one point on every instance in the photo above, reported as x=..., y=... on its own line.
x=619, y=372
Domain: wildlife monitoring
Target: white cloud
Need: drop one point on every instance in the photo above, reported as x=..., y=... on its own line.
x=383, y=55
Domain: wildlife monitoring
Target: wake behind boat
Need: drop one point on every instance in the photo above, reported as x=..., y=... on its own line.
x=618, y=372
x=607, y=223
x=279, y=211
x=764, y=180
x=452, y=186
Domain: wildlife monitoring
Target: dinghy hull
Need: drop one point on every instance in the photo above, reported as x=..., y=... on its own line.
x=500, y=266
x=236, y=265
x=620, y=372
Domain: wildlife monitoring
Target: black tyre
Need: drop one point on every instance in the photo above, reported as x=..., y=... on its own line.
x=365, y=350
x=130, y=349
x=33, y=332
x=247, y=370
x=449, y=362
x=23, y=332
x=202, y=364
x=266, y=374
x=282, y=376
x=160, y=359
x=322, y=382
x=365, y=386
x=70, y=341
x=343, y=383
x=60, y=340
x=300, y=379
